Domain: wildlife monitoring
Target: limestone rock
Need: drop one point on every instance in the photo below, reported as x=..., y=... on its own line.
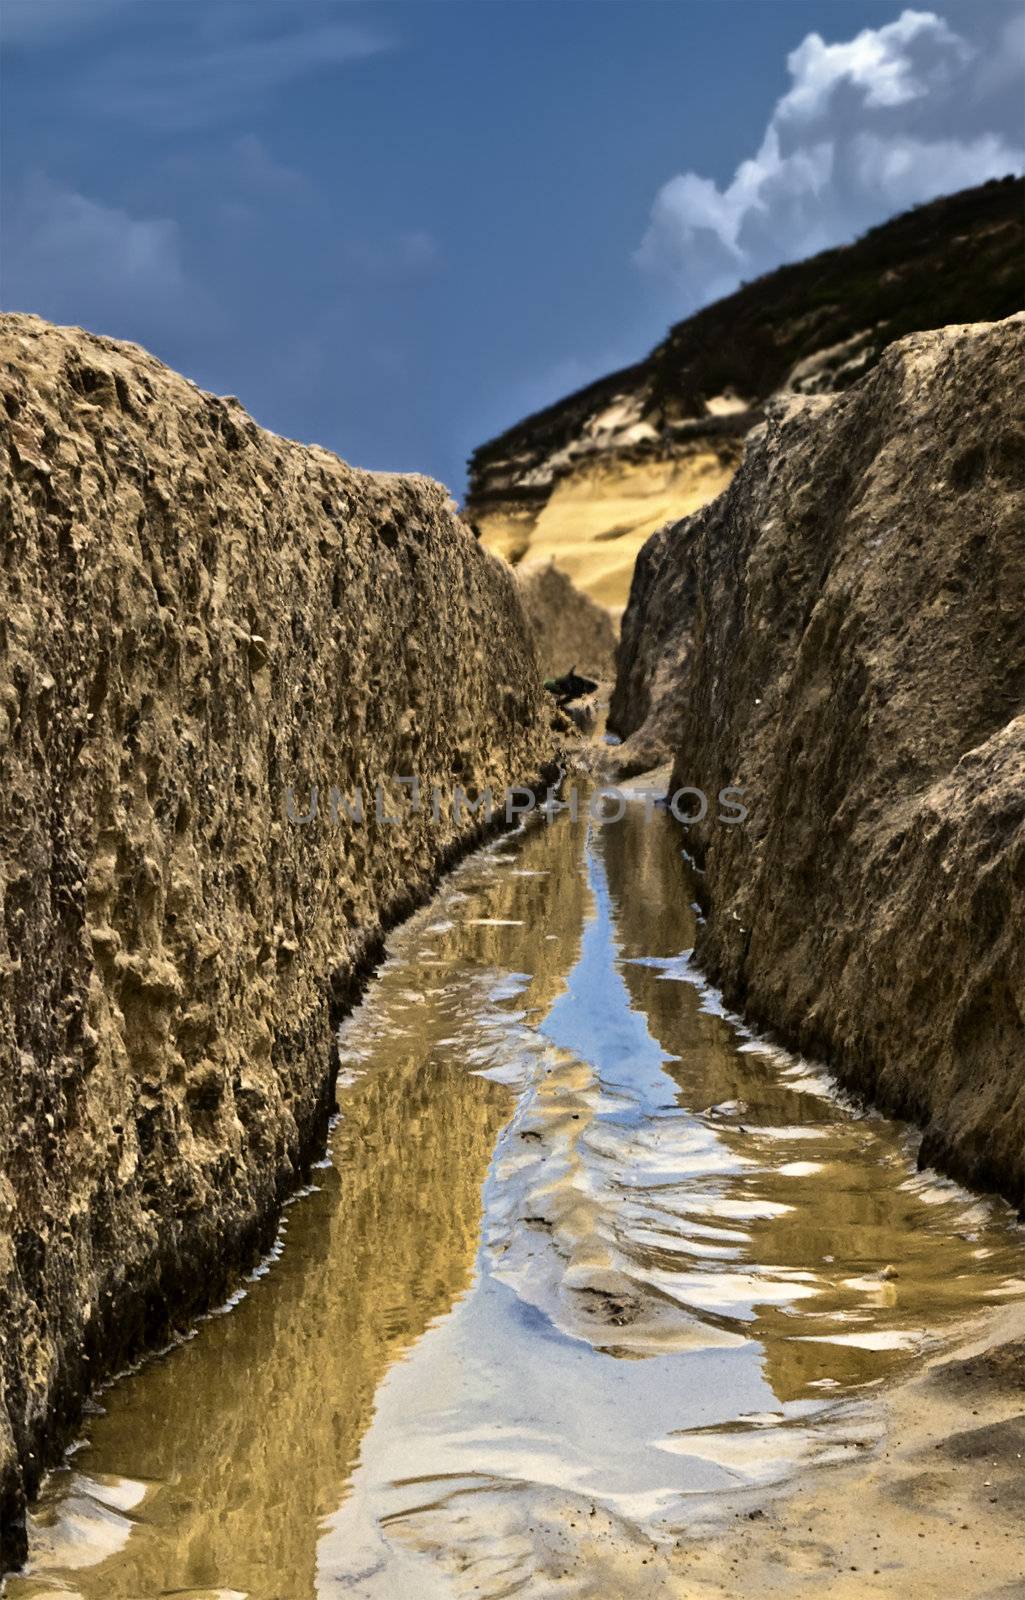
x=850, y=647
x=646, y=707
x=569, y=628
x=196, y=617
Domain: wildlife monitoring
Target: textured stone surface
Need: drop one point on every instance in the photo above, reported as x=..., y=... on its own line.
x=195, y=615
x=647, y=708
x=855, y=606
x=569, y=628
x=599, y=515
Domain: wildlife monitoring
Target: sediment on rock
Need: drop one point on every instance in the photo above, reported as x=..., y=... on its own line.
x=851, y=650
x=197, y=618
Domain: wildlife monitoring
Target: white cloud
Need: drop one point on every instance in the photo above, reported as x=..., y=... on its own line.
x=224, y=62
x=35, y=22
x=69, y=257
x=403, y=256
x=1006, y=64
x=868, y=126
x=879, y=63
x=904, y=171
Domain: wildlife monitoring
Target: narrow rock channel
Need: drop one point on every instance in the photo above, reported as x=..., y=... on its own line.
x=588, y=1270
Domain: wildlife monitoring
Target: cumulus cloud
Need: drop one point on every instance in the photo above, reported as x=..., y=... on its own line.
x=869, y=126
x=902, y=171
x=887, y=66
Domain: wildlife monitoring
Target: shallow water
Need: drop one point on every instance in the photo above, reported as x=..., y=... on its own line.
x=586, y=1261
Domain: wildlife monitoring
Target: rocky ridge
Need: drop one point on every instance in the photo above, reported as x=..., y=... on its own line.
x=842, y=633
x=569, y=628
x=198, y=617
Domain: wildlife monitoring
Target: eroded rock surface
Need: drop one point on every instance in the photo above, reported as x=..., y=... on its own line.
x=569, y=628
x=647, y=707
x=196, y=616
x=854, y=606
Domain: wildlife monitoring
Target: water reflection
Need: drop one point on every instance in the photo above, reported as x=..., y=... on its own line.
x=583, y=1251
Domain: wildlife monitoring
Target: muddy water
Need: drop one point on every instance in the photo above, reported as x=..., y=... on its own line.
x=586, y=1263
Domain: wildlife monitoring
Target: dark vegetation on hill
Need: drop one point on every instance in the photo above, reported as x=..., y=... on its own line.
x=956, y=259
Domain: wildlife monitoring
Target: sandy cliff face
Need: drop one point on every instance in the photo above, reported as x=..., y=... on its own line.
x=855, y=606
x=197, y=615
x=598, y=516
x=588, y=479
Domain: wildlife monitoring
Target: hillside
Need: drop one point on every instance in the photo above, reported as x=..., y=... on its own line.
x=587, y=479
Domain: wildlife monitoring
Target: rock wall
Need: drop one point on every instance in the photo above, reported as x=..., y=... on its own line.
x=197, y=615
x=855, y=603
x=569, y=629
x=646, y=708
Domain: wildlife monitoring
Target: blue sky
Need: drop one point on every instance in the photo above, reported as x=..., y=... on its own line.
x=396, y=228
